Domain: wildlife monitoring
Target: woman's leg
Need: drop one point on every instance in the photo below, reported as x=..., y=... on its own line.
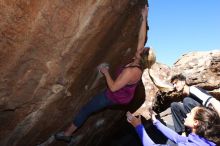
x=189, y=103
x=178, y=115
x=97, y=103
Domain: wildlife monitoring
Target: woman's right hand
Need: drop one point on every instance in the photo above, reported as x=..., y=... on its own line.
x=104, y=69
x=134, y=121
x=144, y=11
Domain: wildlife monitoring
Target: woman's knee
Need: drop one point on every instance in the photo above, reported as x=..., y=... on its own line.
x=174, y=105
x=187, y=100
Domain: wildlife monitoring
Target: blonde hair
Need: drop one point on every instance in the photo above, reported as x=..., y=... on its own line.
x=148, y=58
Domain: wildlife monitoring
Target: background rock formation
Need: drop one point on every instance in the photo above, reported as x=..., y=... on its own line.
x=49, y=51
x=200, y=68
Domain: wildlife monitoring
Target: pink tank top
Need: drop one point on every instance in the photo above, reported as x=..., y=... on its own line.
x=123, y=95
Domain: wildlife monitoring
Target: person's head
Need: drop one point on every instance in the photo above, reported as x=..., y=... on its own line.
x=148, y=58
x=204, y=122
x=178, y=81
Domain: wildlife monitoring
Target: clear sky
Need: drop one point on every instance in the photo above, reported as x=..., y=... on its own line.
x=181, y=26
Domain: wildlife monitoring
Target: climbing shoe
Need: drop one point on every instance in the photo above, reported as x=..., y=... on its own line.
x=61, y=137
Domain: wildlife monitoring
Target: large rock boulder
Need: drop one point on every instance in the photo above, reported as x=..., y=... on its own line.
x=201, y=69
x=49, y=51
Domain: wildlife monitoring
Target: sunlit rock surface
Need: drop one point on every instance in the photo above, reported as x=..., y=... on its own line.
x=161, y=72
x=200, y=68
x=49, y=51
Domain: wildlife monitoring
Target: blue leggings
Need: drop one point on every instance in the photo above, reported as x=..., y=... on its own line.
x=97, y=103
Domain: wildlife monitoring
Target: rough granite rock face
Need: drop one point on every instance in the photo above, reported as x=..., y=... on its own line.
x=49, y=51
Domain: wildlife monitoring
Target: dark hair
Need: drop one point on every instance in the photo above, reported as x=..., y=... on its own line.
x=209, y=124
x=179, y=77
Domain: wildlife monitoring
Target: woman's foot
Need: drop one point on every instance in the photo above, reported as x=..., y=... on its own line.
x=62, y=137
